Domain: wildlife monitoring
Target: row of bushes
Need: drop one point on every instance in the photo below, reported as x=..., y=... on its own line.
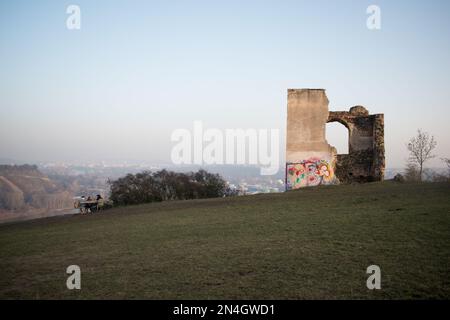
x=165, y=185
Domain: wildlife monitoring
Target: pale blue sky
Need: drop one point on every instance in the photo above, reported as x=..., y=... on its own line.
x=137, y=70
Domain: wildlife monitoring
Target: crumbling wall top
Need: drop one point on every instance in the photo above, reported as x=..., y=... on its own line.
x=359, y=111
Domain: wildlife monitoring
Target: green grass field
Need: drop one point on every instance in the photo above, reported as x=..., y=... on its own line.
x=311, y=243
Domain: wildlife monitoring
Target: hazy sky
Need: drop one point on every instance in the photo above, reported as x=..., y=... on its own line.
x=137, y=70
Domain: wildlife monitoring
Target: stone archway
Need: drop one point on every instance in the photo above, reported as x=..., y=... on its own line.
x=365, y=159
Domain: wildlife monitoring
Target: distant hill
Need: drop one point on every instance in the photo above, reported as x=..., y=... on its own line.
x=24, y=187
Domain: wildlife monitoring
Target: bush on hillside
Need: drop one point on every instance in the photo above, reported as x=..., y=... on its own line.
x=166, y=185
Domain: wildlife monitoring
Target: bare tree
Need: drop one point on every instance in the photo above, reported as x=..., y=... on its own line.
x=420, y=150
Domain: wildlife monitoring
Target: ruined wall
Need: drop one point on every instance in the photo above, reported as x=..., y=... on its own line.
x=309, y=157
x=311, y=161
x=365, y=159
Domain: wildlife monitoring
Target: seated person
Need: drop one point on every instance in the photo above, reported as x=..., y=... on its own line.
x=100, y=202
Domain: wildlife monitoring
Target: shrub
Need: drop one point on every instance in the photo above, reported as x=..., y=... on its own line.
x=166, y=185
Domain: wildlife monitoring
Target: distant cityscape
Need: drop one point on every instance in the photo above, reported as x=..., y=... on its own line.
x=244, y=179
x=93, y=177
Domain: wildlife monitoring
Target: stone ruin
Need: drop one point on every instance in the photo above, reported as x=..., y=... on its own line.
x=311, y=161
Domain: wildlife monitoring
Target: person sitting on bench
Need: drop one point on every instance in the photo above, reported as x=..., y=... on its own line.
x=100, y=202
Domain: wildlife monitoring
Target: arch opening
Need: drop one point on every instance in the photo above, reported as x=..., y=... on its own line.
x=337, y=135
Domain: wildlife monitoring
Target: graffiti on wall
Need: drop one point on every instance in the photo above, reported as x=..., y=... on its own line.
x=310, y=172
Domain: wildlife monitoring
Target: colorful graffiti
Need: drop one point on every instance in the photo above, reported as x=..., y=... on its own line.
x=308, y=173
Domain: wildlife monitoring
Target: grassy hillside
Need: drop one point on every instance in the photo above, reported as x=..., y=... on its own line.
x=311, y=243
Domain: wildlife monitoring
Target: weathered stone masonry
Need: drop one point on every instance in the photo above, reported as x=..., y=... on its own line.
x=365, y=159
x=311, y=161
